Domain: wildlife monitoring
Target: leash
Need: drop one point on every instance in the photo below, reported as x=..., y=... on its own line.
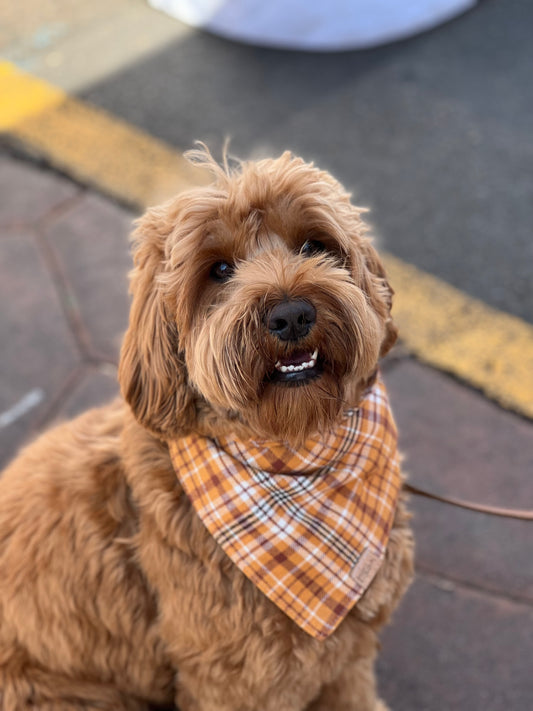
x=522, y=515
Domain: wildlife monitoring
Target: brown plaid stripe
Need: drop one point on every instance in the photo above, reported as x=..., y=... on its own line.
x=308, y=527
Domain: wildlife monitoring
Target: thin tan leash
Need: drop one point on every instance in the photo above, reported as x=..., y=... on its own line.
x=523, y=515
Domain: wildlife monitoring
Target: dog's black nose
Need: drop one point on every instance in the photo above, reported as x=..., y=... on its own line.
x=291, y=320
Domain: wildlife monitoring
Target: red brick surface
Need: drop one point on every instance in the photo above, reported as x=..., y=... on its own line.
x=93, y=389
x=29, y=193
x=38, y=351
x=91, y=243
x=457, y=443
x=451, y=648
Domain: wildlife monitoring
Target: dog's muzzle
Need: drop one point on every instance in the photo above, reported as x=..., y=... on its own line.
x=289, y=321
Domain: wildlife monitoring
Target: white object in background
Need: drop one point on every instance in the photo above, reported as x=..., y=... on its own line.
x=326, y=25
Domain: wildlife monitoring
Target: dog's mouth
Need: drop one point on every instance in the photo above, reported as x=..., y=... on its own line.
x=297, y=369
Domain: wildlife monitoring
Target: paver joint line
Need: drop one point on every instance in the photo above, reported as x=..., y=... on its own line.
x=66, y=297
x=70, y=382
x=447, y=580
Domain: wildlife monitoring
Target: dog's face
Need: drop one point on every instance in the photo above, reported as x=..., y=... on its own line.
x=257, y=301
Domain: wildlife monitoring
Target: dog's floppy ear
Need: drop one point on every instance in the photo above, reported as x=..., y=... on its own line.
x=152, y=372
x=380, y=292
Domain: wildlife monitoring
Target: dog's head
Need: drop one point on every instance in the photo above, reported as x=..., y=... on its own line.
x=257, y=301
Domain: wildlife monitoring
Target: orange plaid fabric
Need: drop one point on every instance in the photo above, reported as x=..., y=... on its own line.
x=308, y=527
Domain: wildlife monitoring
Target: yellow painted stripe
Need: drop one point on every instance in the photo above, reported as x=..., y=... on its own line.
x=440, y=325
x=449, y=330
x=22, y=97
x=89, y=144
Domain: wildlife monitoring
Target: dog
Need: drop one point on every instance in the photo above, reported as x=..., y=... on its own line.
x=259, y=312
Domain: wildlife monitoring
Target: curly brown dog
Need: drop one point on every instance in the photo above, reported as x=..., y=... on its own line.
x=260, y=310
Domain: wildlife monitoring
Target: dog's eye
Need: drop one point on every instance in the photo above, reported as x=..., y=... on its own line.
x=311, y=247
x=221, y=271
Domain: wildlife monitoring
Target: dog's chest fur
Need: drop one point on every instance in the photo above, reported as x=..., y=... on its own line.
x=212, y=617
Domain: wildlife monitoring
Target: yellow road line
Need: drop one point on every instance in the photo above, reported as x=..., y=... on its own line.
x=23, y=97
x=449, y=330
x=440, y=325
x=89, y=144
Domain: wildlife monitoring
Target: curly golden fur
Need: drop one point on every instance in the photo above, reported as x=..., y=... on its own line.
x=113, y=596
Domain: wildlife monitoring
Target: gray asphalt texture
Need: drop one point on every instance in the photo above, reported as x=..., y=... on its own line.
x=434, y=134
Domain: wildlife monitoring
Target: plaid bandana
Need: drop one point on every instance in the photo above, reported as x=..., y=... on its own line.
x=308, y=527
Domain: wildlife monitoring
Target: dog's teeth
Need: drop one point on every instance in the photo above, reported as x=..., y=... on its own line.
x=308, y=364
x=297, y=368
